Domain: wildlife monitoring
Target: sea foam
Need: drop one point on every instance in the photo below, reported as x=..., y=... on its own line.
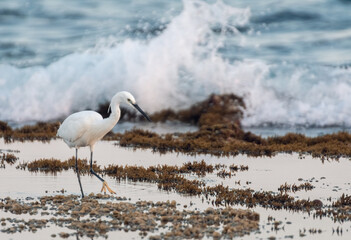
x=176, y=68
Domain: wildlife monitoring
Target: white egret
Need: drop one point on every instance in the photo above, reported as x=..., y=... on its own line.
x=85, y=128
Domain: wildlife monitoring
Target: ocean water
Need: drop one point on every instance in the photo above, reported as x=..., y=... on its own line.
x=290, y=60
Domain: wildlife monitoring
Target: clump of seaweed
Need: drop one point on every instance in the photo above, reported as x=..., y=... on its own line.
x=220, y=166
x=8, y=158
x=236, y=168
x=340, y=210
x=217, y=109
x=200, y=168
x=55, y=165
x=152, y=173
x=4, y=127
x=343, y=201
x=41, y=131
x=132, y=173
x=294, y=188
x=224, y=174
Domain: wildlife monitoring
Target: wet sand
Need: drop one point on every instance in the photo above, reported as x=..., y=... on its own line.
x=330, y=180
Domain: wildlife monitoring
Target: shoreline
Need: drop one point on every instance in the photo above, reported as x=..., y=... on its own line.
x=219, y=132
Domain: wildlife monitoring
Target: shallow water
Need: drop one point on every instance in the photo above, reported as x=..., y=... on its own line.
x=270, y=131
x=160, y=128
x=330, y=178
x=123, y=126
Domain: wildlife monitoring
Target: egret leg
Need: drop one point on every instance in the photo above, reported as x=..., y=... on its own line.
x=77, y=170
x=104, y=183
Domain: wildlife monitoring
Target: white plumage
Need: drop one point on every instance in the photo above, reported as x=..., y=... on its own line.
x=85, y=128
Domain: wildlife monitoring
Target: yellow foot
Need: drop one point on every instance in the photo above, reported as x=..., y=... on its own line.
x=105, y=186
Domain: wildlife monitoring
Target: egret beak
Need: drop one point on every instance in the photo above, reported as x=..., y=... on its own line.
x=141, y=111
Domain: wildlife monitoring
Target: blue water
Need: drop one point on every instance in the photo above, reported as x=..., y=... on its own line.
x=289, y=60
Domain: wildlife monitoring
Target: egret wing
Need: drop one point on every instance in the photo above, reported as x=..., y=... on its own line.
x=77, y=124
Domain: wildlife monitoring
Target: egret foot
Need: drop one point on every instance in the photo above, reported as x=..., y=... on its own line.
x=105, y=186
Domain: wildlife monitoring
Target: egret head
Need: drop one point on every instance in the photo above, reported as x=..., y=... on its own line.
x=127, y=98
